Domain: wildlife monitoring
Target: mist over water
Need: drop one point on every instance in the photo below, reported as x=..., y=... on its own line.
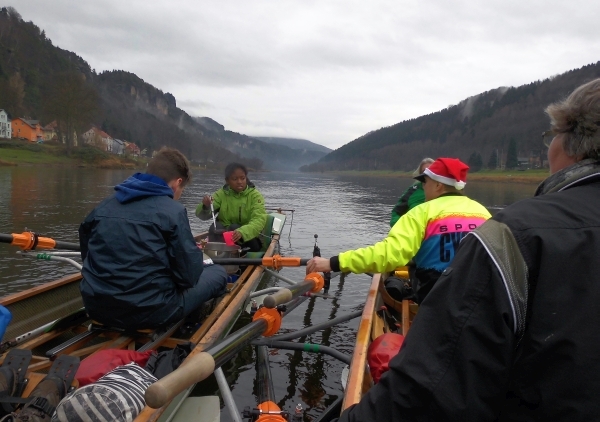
x=346, y=212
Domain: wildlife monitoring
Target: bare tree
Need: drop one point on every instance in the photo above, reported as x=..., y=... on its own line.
x=73, y=104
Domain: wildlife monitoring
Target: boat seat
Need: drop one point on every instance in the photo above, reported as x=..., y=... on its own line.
x=265, y=237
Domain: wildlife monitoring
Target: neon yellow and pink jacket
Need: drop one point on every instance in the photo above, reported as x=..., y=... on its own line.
x=428, y=233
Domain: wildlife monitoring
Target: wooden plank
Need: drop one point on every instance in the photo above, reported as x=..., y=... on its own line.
x=358, y=367
x=17, y=297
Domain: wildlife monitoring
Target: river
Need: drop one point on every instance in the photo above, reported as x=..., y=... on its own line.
x=346, y=212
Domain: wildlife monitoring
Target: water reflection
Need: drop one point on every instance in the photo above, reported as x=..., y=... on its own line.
x=346, y=212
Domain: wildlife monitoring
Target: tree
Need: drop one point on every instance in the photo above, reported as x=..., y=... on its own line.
x=73, y=104
x=12, y=93
x=493, y=161
x=512, y=160
x=475, y=162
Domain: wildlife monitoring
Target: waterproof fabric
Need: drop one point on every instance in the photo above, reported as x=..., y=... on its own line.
x=246, y=208
x=430, y=232
x=381, y=351
x=138, y=255
x=410, y=198
x=116, y=397
x=460, y=359
x=102, y=362
x=163, y=363
x=5, y=318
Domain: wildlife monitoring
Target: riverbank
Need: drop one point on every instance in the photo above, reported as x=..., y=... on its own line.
x=19, y=153
x=511, y=176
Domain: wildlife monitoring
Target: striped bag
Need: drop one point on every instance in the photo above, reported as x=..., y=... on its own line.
x=117, y=396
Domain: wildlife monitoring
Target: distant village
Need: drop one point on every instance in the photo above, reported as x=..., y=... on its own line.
x=33, y=131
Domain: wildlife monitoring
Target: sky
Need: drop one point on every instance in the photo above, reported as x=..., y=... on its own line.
x=326, y=71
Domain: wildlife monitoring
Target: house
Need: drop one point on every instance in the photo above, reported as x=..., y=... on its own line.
x=99, y=139
x=5, y=125
x=49, y=132
x=132, y=149
x=118, y=147
x=27, y=129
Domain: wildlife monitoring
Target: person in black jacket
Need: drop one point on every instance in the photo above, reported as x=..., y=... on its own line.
x=510, y=330
x=141, y=265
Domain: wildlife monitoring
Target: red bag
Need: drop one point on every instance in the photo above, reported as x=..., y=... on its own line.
x=381, y=351
x=100, y=363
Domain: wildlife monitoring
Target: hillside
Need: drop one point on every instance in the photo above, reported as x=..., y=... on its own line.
x=485, y=124
x=128, y=108
x=295, y=143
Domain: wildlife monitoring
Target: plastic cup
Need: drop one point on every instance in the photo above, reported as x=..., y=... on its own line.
x=228, y=236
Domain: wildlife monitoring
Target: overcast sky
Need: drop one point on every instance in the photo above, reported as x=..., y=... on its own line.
x=326, y=71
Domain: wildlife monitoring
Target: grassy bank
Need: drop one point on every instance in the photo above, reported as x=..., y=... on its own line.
x=515, y=176
x=21, y=153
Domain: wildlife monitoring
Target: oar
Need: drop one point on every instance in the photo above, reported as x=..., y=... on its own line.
x=266, y=322
x=275, y=261
x=30, y=240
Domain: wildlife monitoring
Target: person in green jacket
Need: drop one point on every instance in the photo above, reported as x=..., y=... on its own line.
x=411, y=197
x=240, y=207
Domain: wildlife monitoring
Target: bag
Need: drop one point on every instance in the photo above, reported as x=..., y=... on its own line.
x=381, y=351
x=5, y=317
x=100, y=363
x=399, y=288
x=164, y=363
x=117, y=396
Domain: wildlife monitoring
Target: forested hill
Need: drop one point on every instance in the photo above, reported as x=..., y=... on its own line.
x=482, y=125
x=294, y=143
x=125, y=106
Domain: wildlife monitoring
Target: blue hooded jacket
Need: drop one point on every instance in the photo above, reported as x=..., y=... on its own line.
x=138, y=254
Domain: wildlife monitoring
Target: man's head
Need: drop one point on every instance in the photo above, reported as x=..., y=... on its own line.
x=171, y=165
x=574, y=122
x=425, y=162
x=443, y=175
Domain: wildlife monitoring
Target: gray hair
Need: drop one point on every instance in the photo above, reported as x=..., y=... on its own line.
x=421, y=164
x=578, y=118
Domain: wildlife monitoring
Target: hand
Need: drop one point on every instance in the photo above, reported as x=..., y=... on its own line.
x=236, y=236
x=318, y=265
x=206, y=201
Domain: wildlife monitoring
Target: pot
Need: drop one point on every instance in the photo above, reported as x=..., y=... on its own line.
x=222, y=250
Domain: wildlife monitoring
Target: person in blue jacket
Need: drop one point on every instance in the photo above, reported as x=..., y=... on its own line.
x=141, y=265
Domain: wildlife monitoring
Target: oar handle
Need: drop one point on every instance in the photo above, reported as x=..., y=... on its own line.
x=30, y=241
x=193, y=370
x=275, y=261
x=313, y=282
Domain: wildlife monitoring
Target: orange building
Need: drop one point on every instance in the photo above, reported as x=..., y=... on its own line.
x=27, y=129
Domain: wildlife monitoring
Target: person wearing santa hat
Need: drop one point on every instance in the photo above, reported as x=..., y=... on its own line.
x=429, y=233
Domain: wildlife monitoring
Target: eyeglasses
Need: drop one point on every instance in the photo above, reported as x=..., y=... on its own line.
x=547, y=137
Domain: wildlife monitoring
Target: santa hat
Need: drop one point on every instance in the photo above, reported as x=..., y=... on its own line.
x=449, y=171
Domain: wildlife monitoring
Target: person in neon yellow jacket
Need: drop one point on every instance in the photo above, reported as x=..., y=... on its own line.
x=240, y=207
x=429, y=233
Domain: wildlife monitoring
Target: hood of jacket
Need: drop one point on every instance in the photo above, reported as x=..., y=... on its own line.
x=142, y=185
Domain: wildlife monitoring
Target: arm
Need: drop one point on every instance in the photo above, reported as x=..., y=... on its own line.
x=85, y=231
x=203, y=211
x=258, y=218
x=398, y=248
x=185, y=258
x=455, y=361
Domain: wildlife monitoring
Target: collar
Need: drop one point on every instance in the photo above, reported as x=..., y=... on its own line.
x=569, y=176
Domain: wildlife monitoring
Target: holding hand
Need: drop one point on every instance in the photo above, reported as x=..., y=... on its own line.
x=236, y=236
x=318, y=265
x=206, y=201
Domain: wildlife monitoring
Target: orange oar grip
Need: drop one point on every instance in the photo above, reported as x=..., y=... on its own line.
x=27, y=241
x=278, y=261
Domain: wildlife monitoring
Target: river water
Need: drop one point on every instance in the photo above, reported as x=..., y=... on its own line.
x=346, y=212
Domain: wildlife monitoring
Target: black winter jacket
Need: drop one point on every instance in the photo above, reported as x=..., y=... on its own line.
x=461, y=360
x=138, y=252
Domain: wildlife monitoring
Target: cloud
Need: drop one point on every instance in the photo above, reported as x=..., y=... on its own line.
x=328, y=71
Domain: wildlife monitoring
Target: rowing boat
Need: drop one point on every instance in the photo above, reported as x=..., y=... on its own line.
x=50, y=321
x=381, y=314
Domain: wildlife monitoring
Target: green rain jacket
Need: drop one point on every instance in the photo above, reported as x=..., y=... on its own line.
x=246, y=208
x=410, y=198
